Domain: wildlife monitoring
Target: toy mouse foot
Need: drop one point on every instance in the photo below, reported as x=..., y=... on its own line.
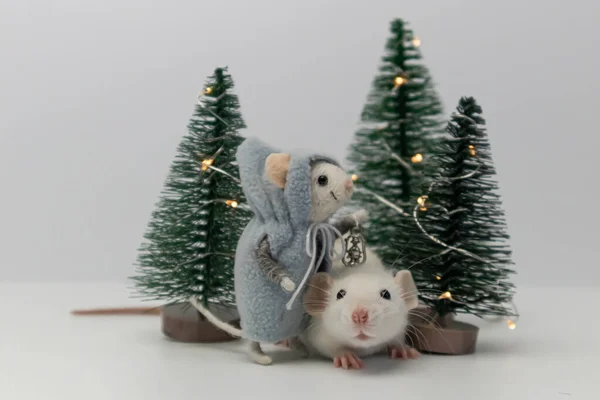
x=403, y=352
x=284, y=343
x=347, y=361
x=287, y=284
x=257, y=355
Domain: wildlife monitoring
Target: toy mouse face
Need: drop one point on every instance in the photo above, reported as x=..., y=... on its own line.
x=362, y=309
x=330, y=185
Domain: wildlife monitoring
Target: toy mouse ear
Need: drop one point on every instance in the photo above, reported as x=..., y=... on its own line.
x=317, y=295
x=408, y=288
x=276, y=166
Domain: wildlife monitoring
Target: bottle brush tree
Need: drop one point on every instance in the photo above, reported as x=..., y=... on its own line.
x=193, y=232
x=392, y=149
x=462, y=259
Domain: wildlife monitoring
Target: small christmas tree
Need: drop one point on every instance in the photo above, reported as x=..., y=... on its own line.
x=392, y=149
x=194, y=230
x=462, y=260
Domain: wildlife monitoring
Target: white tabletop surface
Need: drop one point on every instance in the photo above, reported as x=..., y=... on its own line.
x=45, y=353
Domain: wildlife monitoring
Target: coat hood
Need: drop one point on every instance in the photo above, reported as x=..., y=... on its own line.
x=283, y=211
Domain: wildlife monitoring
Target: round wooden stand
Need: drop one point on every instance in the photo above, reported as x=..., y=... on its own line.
x=183, y=323
x=441, y=335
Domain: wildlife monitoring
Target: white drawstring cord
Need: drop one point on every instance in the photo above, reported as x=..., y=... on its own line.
x=328, y=236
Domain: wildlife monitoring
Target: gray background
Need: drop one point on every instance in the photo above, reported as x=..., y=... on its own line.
x=95, y=96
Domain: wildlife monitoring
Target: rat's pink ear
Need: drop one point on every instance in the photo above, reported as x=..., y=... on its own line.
x=410, y=295
x=276, y=166
x=317, y=295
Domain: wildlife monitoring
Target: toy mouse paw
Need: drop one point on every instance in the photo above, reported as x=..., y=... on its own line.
x=361, y=216
x=287, y=284
x=403, y=352
x=347, y=361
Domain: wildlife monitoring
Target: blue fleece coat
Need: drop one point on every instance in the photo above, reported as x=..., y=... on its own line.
x=283, y=216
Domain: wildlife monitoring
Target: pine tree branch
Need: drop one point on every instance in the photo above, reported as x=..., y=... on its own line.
x=396, y=157
x=200, y=257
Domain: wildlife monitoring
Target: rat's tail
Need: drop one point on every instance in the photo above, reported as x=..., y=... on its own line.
x=119, y=311
x=214, y=320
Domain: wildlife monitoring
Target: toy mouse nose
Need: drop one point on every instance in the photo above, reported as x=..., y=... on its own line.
x=348, y=185
x=360, y=316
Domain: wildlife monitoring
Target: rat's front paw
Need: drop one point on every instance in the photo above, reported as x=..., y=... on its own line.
x=287, y=284
x=403, y=352
x=347, y=361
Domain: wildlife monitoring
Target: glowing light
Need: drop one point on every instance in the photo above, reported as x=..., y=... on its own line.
x=421, y=200
x=206, y=163
x=439, y=278
x=208, y=90
x=446, y=295
x=417, y=158
x=416, y=41
x=232, y=203
x=511, y=325
x=354, y=177
x=399, y=81
x=472, y=150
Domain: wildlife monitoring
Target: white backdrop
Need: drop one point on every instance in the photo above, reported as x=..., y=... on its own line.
x=95, y=96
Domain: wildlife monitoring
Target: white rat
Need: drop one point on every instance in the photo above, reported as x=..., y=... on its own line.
x=359, y=311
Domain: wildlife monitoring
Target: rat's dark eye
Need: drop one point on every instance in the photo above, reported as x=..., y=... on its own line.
x=385, y=294
x=322, y=180
x=341, y=294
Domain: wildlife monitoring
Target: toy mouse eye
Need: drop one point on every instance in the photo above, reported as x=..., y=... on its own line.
x=341, y=294
x=322, y=180
x=385, y=294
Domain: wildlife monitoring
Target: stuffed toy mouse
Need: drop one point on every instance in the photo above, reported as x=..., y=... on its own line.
x=292, y=195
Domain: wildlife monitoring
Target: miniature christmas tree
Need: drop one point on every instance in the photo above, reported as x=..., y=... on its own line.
x=462, y=259
x=392, y=149
x=193, y=232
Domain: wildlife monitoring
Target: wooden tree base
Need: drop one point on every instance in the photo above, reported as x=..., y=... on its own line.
x=183, y=323
x=431, y=334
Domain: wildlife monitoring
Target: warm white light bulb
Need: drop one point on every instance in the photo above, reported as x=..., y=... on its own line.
x=206, y=163
x=416, y=41
x=417, y=158
x=511, y=325
x=354, y=177
x=208, y=90
x=399, y=81
x=472, y=150
x=446, y=295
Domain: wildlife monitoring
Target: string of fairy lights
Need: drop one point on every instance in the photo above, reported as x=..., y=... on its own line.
x=423, y=201
x=207, y=163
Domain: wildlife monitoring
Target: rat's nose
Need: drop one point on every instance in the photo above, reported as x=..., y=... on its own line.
x=360, y=316
x=348, y=185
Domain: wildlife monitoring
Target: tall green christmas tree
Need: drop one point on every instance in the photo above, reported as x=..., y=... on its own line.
x=461, y=261
x=191, y=239
x=391, y=151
